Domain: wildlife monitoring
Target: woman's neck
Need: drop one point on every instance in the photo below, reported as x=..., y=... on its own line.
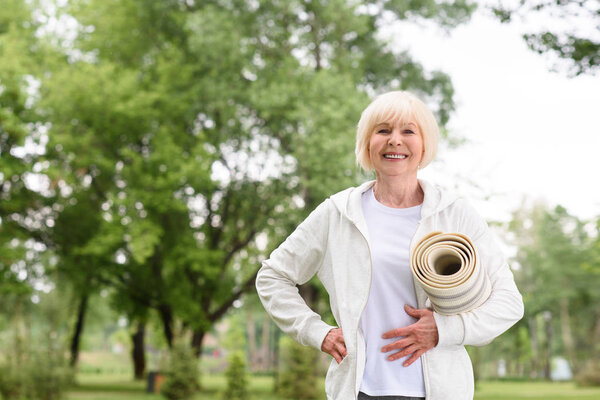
x=398, y=192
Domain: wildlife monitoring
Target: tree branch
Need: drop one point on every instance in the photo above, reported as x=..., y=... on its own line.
x=218, y=313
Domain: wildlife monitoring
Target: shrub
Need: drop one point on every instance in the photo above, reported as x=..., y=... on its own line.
x=181, y=374
x=38, y=375
x=234, y=342
x=590, y=376
x=48, y=376
x=11, y=380
x=237, y=381
x=298, y=380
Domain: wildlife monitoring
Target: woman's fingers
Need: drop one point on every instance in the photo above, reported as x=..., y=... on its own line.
x=414, y=357
x=403, y=353
x=342, y=349
x=396, y=332
x=334, y=344
x=397, y=345
x=337, y=356
x=418, y=337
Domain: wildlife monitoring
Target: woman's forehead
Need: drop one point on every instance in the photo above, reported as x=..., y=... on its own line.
x=397, y=121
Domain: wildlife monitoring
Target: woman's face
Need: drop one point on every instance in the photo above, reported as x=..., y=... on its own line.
x=396, y=148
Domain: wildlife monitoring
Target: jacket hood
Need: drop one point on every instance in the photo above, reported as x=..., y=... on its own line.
x=348, y=201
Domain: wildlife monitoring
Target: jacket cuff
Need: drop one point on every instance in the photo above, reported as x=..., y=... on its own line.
x=316, y=334
x=451, y=330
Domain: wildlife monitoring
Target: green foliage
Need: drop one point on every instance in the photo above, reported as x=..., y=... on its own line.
x=48, y=376
x=181, y=374
x=39, y=375
x=580, y=49
x=179, y=133
x=556, y=263
x=234, y=341
x=237, y=381
x=297, y=379
x=590, y=376
x=11, y=380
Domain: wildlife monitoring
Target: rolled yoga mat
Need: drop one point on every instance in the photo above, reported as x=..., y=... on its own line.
x=447, y=267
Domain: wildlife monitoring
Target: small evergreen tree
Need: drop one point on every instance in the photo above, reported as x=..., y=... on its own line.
x=237, y=382
x=235, y=343
x=297, y=380
x=181, y=374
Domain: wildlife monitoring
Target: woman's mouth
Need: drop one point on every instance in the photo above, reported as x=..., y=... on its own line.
x=395, y=156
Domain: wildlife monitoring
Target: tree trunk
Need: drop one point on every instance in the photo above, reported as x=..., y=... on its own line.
x=76, y=338
x=535, y=352
x=309, y=294
x=596, y=340
x=567, y=335
x=264, y=347
x=251, y=329
x=275, y=359
x=138, y=353
x=476, y=360
x=548, y=356
x=197, y=338
x=166, y=315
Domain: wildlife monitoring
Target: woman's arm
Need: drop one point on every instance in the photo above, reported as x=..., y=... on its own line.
x=502, y=309
x=293, y=263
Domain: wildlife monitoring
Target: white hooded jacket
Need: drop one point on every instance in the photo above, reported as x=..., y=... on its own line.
x=333, y=243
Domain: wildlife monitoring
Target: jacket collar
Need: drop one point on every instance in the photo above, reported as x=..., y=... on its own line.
x=350, y=205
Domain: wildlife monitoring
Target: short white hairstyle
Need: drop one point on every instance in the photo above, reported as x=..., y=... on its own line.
x=396, y=106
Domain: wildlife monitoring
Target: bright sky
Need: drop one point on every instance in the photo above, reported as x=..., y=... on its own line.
x=532, y=133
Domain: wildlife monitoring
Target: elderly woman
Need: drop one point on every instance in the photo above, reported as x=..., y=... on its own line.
x=388, y=344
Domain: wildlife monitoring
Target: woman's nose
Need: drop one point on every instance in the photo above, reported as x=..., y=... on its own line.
x=395, y=138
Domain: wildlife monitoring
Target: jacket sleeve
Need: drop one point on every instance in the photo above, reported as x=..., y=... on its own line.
x=293, y=263
x=502, y=309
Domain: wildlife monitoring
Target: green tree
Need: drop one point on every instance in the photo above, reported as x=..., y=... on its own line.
x=235, y=344
x=298, y=376
x=182, y=374
x=577, y=44
x=187, y=139
x=21, y=136
x=553, y=251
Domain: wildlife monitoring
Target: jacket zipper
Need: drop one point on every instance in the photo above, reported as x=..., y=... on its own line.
x=362, y=309
x=424, y=356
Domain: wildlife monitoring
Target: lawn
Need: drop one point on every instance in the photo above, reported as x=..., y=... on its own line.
x=116, y=387
x=104, y=376
x=534, y=390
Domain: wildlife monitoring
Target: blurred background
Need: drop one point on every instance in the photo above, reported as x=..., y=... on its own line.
x=153, y=152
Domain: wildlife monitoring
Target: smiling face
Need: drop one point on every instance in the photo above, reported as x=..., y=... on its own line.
x=396, y=148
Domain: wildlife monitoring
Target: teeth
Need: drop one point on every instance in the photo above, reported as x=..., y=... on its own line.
x=394, y=156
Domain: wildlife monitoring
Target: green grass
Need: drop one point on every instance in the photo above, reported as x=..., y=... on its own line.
x=534, y=390
x=105, y=376
x=120, y=387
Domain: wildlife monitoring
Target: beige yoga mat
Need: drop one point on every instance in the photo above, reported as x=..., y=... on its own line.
x=447, y=267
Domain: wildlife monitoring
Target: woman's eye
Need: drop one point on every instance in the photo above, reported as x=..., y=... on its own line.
x=383, y=131
x=408, y=131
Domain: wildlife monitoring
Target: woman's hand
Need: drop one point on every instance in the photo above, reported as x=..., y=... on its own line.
x=416, y=338
x=334, y=344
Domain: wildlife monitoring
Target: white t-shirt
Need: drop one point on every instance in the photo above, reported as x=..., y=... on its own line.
x=390, y=232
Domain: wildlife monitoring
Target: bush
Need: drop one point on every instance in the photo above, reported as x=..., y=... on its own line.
x=36, y=376
x=298, y=379
x=237, y=381
x=590, y=376
x=181, y=374
x=49, y=376
x=11, y=380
